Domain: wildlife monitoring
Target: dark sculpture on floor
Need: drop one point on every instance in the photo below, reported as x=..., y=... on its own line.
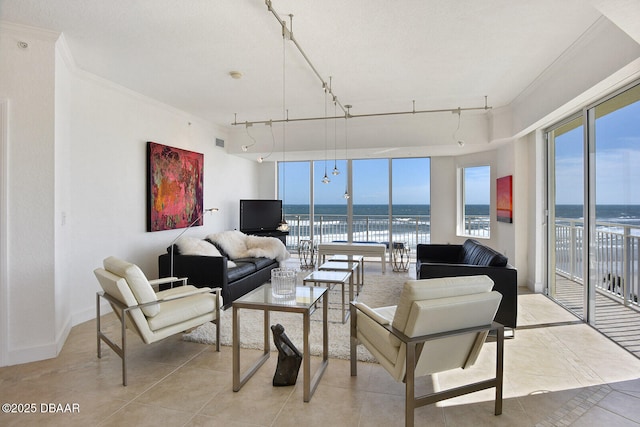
x=289, y=358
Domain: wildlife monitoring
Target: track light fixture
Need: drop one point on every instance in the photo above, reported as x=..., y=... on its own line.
x=245, y=148
x=460, y=142
x=273, y=144
x=287, y=33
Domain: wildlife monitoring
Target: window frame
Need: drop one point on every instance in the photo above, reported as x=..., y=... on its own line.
x=461, y=215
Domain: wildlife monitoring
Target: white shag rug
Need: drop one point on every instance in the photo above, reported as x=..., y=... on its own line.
x=378, y=291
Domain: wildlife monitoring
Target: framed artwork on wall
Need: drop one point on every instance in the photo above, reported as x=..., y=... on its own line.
x=504, y=199
x=174, y=187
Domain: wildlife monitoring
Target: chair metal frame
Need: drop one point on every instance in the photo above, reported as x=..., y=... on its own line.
x=123, y=309
x=414, y=346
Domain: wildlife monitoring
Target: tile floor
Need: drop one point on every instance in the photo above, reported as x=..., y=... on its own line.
x=558, y=372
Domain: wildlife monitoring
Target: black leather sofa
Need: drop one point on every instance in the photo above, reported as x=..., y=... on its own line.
x=213, y=271
x=468, y=259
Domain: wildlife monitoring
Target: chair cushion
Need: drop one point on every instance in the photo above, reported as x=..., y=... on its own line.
x=181, y=310
x=137, y=281
x=381, y=339
x=443, y=287
x=241, y=270
x=259, y=263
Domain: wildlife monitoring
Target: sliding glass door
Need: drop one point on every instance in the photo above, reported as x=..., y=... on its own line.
x=594, y=208
x=566, y=215
x=615, y=202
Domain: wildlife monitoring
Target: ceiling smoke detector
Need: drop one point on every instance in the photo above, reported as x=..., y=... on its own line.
x=235, y=75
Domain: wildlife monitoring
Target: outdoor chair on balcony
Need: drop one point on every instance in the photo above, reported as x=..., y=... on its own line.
x=438, y=325
x=151, y=315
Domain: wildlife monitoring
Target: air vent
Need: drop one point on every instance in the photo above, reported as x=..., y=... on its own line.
x=219, y=142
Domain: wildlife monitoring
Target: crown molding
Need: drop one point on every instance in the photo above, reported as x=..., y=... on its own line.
x=28, y=31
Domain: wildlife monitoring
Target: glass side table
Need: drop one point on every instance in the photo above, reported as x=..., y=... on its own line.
x=400, y=256
x=304, y=302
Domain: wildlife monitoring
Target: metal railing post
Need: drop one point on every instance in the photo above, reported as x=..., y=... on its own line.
x=626, y=295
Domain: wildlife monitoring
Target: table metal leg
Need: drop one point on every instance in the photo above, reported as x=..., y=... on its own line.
x=240, y=379
x=311, y=385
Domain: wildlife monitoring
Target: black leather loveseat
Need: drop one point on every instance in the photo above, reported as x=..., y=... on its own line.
x=468, y=259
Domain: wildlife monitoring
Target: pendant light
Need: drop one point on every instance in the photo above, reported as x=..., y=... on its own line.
x=325, y=179
x=283, y=226
x=336, y=171
x=346, y=149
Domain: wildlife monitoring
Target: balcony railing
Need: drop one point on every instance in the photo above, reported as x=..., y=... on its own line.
x=366, y=228
x=616, y=260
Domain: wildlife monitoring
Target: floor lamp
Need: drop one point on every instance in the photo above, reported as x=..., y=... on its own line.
x=185, y=230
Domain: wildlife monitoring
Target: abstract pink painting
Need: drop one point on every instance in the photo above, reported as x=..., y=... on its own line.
x=175, y=187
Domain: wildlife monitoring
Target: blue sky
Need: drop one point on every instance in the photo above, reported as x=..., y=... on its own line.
x=617, y=176
x=617, y=160
x=411, y=182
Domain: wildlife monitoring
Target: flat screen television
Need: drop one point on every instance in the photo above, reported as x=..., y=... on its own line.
x=260, y=215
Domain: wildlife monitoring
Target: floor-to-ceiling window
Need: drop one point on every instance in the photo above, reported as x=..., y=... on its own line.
x=295, y=192
x=410, y=200
x=475, y=191
x=594, y=208
x=387, y=200
x=329, y=204
x=371, y=200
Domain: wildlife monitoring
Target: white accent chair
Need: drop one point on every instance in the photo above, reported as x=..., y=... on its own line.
x=438, y=325
x=151, y=315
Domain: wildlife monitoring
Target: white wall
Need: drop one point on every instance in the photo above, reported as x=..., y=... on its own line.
x=107, y=214
x=77, y=186
x=27, y=81
x=63, y=186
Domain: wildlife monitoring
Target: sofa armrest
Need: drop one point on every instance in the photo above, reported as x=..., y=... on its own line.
x=438, y=253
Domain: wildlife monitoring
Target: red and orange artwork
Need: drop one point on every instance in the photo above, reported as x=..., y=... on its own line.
x=175, y=187
x=504, y=199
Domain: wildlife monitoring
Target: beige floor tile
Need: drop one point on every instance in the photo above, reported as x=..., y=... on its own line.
x=557, y=372
x=137, y=414
x=597, y=416
x=188, y=389
x=622, y=403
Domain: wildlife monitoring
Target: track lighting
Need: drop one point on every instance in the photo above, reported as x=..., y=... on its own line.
x=455, y=133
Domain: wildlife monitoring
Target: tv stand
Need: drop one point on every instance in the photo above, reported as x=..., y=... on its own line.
x=282, y=235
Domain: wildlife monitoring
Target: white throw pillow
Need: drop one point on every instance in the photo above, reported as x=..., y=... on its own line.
x=195, y=246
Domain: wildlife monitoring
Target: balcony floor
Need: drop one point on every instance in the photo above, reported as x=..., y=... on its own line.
x=619, y=323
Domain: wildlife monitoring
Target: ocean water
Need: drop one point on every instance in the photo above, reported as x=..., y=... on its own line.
x=413, y=222
x=624, y=214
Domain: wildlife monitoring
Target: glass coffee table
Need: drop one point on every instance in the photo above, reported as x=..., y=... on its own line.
x=305, y=302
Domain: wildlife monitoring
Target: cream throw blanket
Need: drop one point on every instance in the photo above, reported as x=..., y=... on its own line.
x=239, y=245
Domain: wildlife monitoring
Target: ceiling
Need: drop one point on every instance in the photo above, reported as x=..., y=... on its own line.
x=382, y=57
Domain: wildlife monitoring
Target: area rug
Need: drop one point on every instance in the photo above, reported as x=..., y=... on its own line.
x=379, y=290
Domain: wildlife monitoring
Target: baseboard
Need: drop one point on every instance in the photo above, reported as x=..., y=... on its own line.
x=32, y=354
x=40, y=352
x=89, y=313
